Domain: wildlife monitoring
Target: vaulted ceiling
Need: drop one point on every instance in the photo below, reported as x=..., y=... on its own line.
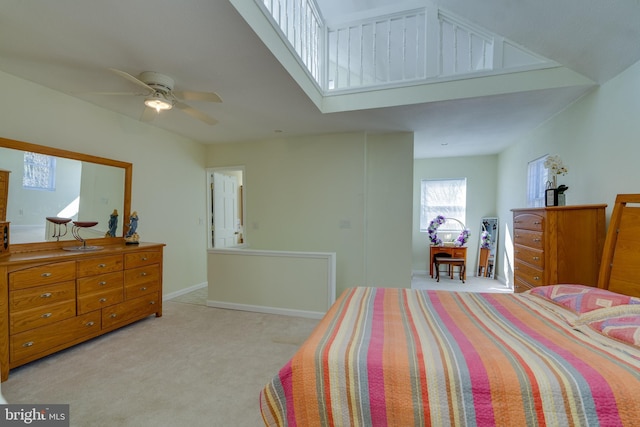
x=69, y=45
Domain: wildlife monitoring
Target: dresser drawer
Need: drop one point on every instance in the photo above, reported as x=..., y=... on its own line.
x=140, y=259
x=25, y=299
x=134, y=291
x=95, y=266
x=532, y=239
x=24, y=320
x=520, y=286
x=130, y=310
x=98, y=300
x=528, y=274
x=529, y=221
x=532, y=256
x=91, y=284
x=42, y=275
x=138, y=276
x=36, y=341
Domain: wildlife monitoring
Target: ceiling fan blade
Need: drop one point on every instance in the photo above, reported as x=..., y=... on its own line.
x=195, y=113
x=132, y=79
x=148, y=115
x=197, y=96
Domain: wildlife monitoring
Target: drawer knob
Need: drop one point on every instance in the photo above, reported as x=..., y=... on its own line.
x=102, y=265
x=152, y=302
x=143, y=274
x=90, y=323
x=46, y=295
x=46, y=275
x=536, y=278
x=28, y=344
x=113, y=315
x=144, y=258
x=46, y=315
x=536, y=240
x=536, y=258
x=103, y=300
x=144, y=288
x=537, y=222
x=102, y=283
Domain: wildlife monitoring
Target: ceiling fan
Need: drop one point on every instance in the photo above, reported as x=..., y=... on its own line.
x=159, y=96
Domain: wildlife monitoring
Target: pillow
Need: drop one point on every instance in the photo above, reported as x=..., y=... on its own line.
x=624, y=328
x=588, y=303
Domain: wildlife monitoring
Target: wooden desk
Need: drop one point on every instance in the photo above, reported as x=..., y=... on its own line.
x=452, y=251
x=451, y=262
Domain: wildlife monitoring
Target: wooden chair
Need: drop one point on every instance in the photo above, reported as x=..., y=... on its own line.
x=450, y=262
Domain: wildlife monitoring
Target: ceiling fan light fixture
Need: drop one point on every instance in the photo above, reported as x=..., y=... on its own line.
x=158, y=102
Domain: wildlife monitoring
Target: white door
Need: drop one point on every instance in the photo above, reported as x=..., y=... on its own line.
x=225, y=211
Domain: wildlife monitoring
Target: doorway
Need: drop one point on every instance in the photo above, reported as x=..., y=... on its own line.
x=225, y=201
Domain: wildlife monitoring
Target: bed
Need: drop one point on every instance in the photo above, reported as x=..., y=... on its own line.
x=565, y=354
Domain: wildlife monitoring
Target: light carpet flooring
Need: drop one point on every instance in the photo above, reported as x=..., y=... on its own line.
x=194, y=366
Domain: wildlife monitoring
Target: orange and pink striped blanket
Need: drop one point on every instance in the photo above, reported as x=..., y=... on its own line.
x=400, y=357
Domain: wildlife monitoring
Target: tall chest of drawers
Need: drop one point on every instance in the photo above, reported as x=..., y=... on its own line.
x=561, y=244
x=54, y=299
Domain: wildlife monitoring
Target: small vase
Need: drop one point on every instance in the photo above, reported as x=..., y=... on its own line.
x=554, y=181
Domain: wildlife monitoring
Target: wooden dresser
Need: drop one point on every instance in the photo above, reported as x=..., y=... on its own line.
x=53, y=299
x=561, y=244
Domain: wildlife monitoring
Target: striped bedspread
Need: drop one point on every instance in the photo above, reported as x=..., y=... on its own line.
x=400, y=357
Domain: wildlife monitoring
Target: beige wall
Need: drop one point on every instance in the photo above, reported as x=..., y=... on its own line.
x=482, y=174
x=597, y=138
x=170, y=209
x=343, y=193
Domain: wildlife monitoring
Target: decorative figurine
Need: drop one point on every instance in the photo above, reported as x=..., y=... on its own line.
x=113, y=224
x=132, y=237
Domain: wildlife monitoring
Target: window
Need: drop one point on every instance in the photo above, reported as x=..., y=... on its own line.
x=446, y=197
x=537, y=178
x=39, y=172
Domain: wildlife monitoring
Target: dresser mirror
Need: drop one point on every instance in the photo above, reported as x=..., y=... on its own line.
x=487, y=249
x=61, y=183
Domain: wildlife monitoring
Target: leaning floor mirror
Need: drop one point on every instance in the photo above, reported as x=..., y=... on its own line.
x=488, y=247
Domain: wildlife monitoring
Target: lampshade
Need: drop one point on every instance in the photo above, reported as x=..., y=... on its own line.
x=159, y=102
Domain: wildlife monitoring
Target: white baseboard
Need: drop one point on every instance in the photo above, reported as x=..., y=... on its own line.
x=267, y=310
x=184, y=291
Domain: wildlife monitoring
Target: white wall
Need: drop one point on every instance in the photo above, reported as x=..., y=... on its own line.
x=597, y=138
x=482, y=174
x=170, y=209
x=343, y=193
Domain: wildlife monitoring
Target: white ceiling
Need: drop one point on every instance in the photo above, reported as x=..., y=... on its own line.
x=68, y=45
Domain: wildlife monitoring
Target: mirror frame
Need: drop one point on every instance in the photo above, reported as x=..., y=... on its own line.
x=50, y=151
x=494, y=247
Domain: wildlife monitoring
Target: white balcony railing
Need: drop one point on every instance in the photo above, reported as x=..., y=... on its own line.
x=420, y=45
x=300, y=23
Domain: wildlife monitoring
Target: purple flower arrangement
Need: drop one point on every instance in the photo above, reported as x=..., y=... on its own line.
x=433, y=230
x=485, y=240
x=462, y=238
x=437, y=241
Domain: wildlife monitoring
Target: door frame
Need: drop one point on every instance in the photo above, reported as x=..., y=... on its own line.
x=243, y=198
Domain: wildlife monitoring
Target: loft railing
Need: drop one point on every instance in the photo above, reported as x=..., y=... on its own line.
x=301, y=25
x=420, y=45
x=377, y=51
